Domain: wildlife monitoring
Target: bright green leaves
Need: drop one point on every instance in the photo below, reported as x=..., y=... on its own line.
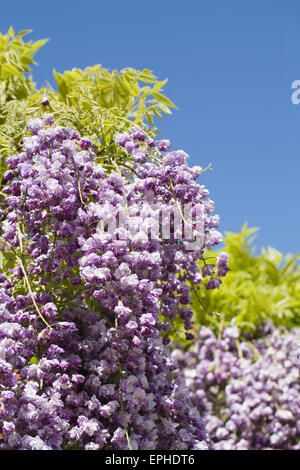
x=34, y=360
x=8, y=259
x=9, y=70
x=98, y=102
x=258, y=287
x=16, y=57
x=163, y=99
x=61, y=83
x=124, y=93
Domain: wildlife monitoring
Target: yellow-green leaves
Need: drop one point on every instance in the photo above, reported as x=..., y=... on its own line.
x=97, y=102
x=9, y=70
x=61, y=83
x=16, y=56
x=163, y=99
x=258, y=287
x=16, y=53
x=124, y=92
x=34, y=360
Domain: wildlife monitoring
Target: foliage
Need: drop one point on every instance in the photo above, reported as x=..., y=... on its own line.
x=16, y=57
x=98, y=103
x=257, y=288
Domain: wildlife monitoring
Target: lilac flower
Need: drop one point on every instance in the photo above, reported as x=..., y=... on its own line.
x=48, y=119
x=50, y=310
x=213, y=283
x=164, y=145
x=138, y=134
x=151, y=143
x=45, y=101
x=100, y=290
x=121, y=139
x=85, y=143
x=222, y=263
x=34, y=125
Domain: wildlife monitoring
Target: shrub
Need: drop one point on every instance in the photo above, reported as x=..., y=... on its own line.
x=84, y=363
x=86, y=300
x=257, y=288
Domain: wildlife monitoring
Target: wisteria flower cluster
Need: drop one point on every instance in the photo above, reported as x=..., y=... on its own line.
x=83, y=361
x=63, y=388
x=247, y=392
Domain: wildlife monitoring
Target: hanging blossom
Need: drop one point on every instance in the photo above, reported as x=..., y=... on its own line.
x=84, y=362
x=62, y=388
x=247, y=392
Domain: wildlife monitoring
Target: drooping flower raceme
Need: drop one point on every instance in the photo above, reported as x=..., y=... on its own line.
x=83, y=361
x=62, y=388
x=247, y=392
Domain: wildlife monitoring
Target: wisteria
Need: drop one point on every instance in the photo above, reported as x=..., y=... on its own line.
x=60, y=388
x=89, y=294
x=247, y=392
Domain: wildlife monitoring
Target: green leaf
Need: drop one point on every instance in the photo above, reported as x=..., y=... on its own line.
x=160, y=85
x=9, y=70
x=145, y=78
x=24, y=32
x=38, y=44
x=11, y=32
x=61, y=83
x=34, y=360
x=148, y=73
x=163, y=99
x=164, y=108
x=123, y=87
x=149, y=117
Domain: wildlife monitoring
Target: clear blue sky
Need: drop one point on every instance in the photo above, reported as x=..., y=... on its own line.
x=230, y=66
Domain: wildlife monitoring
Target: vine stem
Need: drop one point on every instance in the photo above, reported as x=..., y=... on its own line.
x=120, y=173
x=254, y=349
x=120, y=391
x=197, y=294
x=177, y=202
x=238, y=347
x=219, y=337
x=78, y=182
x=20, y=260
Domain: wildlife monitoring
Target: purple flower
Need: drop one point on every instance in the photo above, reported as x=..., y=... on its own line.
x=138, y=134
x=147, y=319
x=131, y=326
x=34, y=125
x=85, y=143
x=214, y=283
x=121, y=139
x=222, y=263
x=50, y=310
x=130, y=145
x=48, y=119
x=151, y=143
x=245, y=390
x=164, y=145
x=102, y=283
x=45, y=101
x=139, y=156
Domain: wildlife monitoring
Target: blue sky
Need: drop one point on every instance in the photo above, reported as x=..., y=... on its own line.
x=230, y=67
